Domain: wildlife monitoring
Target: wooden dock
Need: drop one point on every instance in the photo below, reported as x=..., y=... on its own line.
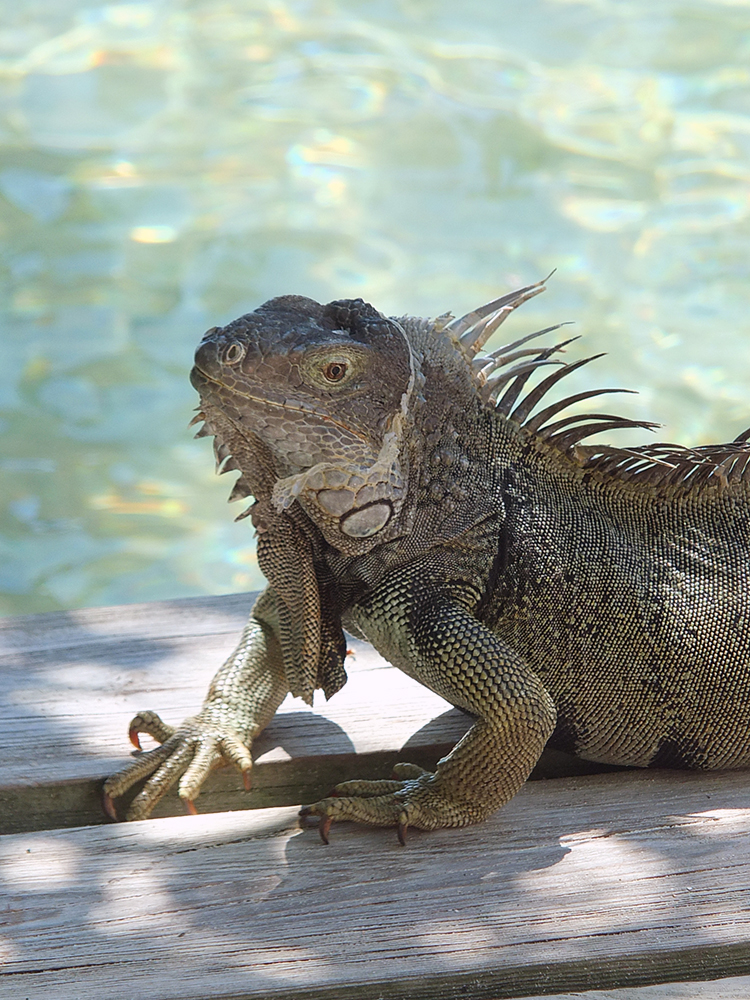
x=625, y=886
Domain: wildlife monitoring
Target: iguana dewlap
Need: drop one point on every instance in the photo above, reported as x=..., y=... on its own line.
x=417, y=493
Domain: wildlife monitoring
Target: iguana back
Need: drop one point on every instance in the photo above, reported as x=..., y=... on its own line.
x=632, y=599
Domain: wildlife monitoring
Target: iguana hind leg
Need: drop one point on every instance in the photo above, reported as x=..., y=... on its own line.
x=434, y=637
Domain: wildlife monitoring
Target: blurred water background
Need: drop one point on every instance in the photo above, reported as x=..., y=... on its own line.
x=168, y=165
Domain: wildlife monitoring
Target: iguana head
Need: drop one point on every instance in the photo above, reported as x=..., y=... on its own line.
x=325, y=390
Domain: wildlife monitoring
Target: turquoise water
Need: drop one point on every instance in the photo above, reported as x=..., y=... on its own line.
x=166, y=166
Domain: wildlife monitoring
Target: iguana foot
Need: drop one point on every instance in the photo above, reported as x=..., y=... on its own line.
x=414, y=799
x=188, y=753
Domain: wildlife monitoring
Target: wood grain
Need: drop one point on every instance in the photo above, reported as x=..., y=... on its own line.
x=609, y=881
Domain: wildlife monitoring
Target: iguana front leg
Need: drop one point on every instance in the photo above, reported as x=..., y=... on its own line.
x=241, y=701
x=428, y=630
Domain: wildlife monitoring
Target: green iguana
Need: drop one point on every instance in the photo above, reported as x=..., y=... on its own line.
x=411, y=490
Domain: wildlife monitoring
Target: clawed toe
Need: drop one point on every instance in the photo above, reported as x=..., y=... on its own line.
x=109, y=806
x=408, y=772
x=403, y=824
x=383, y=810
x=414, y=802
x=366, y=788
x=152, y=724
x=324, y=827
x=324, y=822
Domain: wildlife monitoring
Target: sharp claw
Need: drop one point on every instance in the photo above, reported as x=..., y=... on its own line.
x=133, y=734
x=323, y=828
x=190, y=807
x=247, y=780
x=109, y=807
x=403, y=825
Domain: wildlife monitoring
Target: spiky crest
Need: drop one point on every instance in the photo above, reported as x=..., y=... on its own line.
x=665, y=465
x=473, y=330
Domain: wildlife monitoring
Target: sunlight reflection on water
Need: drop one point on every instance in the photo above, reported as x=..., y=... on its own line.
x=166, y=167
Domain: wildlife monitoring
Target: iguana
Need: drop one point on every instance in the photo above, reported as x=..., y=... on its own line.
x=409, y=488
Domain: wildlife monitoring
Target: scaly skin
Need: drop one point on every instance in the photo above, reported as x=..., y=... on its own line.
x=241, y=701
x=440, y=642
x=406, y=488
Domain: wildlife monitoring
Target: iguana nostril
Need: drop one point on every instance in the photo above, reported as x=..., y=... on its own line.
x=216, y=349
x=233, y=353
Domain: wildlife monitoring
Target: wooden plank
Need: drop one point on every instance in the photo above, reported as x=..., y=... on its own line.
x=70, y=683
x=736, y=988
x=606, y=882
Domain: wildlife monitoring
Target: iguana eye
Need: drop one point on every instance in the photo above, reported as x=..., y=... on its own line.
x=335, y=371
